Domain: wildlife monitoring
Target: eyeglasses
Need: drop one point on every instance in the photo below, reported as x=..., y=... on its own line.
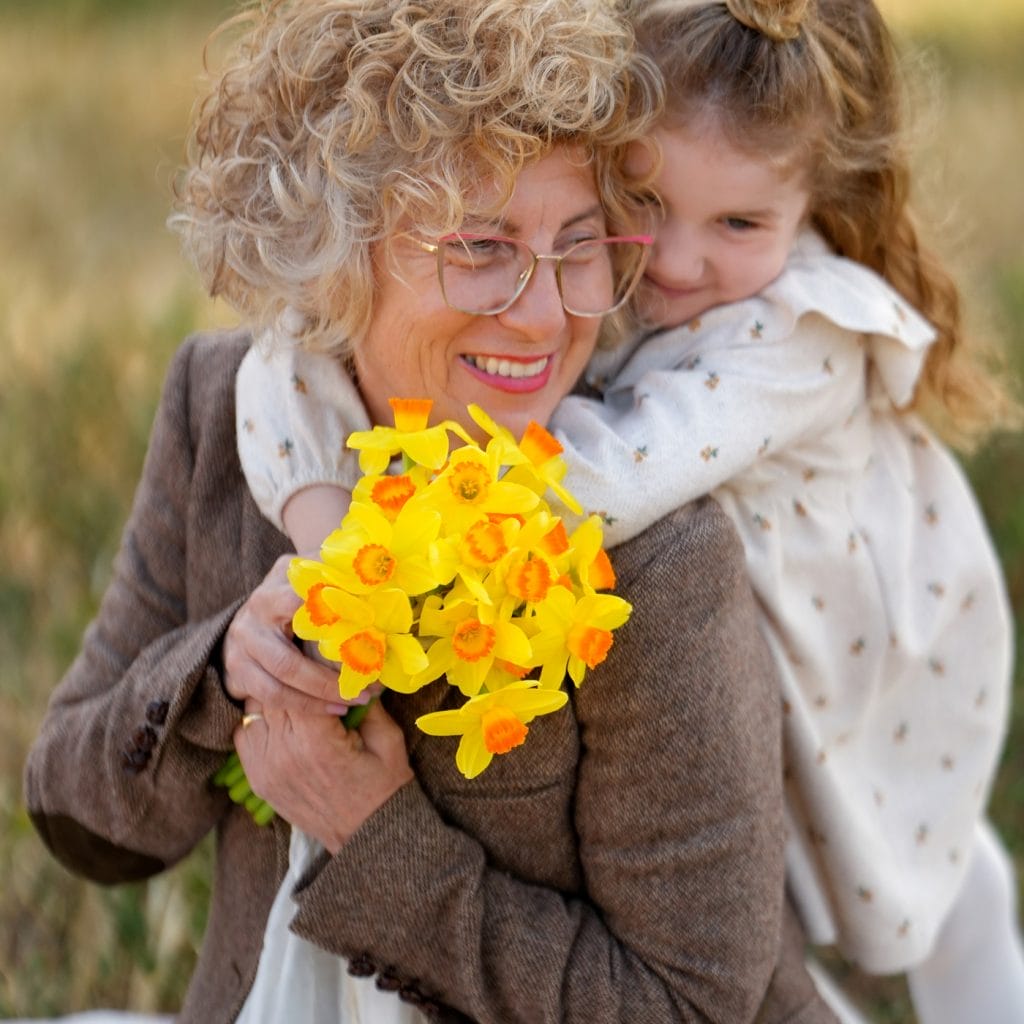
x=485, y=274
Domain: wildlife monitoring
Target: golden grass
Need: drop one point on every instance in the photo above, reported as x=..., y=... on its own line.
x=978, y=18
x=94, y=297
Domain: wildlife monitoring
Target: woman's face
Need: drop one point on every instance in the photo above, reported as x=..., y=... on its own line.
x=517, y=365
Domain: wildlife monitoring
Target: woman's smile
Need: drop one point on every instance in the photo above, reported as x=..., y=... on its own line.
x=512, y=374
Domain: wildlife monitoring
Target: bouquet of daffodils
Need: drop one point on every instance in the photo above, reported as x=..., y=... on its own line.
x=458, y=568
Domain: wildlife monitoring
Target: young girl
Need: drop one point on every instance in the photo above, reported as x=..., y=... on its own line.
x=801, y=335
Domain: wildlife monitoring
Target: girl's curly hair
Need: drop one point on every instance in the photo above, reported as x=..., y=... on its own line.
x=334, y=123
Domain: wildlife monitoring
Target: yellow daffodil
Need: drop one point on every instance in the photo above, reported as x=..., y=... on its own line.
x=369, y=635
x=389, y=493
x=470, y=637
x=315, y=618
x=410, y=436
x=457, y=567
x=470, y=488
x=573, y=635
x=491, y=723
x=589, y=560
x=370, y=551
x=477, y=555
x=538, y=558
x=534, y=461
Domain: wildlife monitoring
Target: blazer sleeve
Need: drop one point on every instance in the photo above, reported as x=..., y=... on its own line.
x=678, y=815
x=117, y=781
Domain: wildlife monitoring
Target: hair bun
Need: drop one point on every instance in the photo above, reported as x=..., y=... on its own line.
x=777, y=19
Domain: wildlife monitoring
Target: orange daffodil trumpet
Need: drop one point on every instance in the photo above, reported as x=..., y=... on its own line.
x=457, y=568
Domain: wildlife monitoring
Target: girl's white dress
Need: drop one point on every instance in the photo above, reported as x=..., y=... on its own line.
x=881, y=595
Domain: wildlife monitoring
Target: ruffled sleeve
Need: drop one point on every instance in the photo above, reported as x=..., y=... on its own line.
x=857, y=299
x=715, y=401
x=295, y=410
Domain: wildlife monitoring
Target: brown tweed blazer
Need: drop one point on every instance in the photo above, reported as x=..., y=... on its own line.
x=625, y=865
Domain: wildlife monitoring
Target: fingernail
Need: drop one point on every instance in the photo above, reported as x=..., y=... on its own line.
x=337, y=709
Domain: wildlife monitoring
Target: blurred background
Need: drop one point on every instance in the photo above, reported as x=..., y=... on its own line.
x=94, y=102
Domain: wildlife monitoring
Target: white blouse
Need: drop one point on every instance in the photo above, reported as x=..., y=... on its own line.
x=297, y=981
x=881, y=595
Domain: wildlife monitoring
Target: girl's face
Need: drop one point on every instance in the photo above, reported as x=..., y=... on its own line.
x=730, y=220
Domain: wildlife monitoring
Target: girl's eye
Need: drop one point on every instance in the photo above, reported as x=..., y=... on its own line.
x=738, y=223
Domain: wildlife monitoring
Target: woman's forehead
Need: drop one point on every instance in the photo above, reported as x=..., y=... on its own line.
x=564, y=173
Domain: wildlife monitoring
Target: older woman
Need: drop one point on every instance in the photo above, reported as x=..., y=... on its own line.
x=630, y=869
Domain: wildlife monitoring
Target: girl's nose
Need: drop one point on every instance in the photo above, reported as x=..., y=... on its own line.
x=678, y=257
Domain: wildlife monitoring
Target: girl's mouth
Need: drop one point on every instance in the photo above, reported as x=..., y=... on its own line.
x=510, y=373
x=671, y=292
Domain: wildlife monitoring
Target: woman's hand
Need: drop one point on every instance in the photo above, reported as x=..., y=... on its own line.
x=319, y=776
x=262, y=666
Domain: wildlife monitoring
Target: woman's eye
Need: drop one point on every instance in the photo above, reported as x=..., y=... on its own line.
x=564, y=246
x=474, y=245
x=476, y=252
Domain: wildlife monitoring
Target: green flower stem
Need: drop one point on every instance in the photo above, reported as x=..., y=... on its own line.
x=232, y=777
x=355, y=715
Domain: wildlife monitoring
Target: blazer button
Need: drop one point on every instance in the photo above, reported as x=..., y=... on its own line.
x=156, y=712
x=388, y=982
x=362, y=966
x=411, y=994
x=134, y=761
x=144, y=737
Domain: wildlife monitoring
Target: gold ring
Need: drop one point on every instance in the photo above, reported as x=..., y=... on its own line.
x=247, y=720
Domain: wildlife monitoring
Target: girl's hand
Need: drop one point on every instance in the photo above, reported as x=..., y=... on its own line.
x=262, y=666
x=320, y=777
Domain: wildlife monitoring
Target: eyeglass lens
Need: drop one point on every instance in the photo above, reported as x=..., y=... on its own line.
x=485, y=275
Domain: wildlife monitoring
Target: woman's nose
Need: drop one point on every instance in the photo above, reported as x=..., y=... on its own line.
x=538, y=313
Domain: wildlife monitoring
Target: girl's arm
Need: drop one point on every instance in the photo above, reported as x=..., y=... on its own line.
x=311, y=514
x=695, y=409
x=294, y=412
x=677, y=825
x=744, y=392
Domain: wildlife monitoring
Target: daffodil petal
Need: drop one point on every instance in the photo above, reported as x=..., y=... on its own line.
x=511, y=644
x=427, y=447
x=552, y=673
x=469, y=676
x=443, y=723
x=409, y=651
x=577, y=669
x=528, y=703
x=352, y=683
x=604, y=610
x=372, y=461
x=472, y=757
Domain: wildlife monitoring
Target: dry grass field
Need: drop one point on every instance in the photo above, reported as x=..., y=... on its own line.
x=94, y=100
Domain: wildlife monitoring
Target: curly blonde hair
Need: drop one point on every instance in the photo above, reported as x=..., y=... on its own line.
x=817, y=86
x=334, y=122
